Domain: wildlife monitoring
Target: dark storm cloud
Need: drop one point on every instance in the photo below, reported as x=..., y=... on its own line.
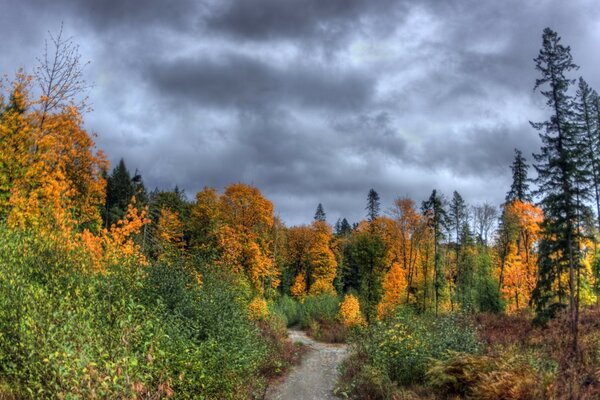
x=312, y=101
x=234, y=80
x=290, y=19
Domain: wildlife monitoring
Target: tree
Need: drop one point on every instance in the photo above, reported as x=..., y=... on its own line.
x=588, y=119
x=15, y=142
x=484, y=217
x=119, y=191
x=561, y=176
x=342, y=227
x=519, y=189
x=59, y=75
x=437, y=221
x=372, y=205
x=320, y=214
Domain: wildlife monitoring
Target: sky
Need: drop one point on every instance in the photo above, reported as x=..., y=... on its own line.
x=313, y=101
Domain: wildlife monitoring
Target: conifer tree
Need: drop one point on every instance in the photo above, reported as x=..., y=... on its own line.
x=519, y=189
x=437, y=221
x=561, y=178
x=320, y=214
x=588, y=121
x=372, y=205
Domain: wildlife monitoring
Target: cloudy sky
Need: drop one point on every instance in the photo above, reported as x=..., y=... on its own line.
x=314, y=100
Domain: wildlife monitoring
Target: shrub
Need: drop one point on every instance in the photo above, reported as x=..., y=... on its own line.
x=402, y=347
x=127, y=333
x=289, y=308
x=350, y=314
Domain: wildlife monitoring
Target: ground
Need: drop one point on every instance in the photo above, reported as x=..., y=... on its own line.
x=315, y=377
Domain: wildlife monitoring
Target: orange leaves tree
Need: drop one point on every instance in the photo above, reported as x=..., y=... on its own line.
x=311, y=265
x=52, y=179
x=519, y=235
x=234, y=230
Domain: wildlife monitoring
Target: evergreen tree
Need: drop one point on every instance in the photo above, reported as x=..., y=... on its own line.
x=320, y=214
x=119, y=190
x=342, y=227
x=588, y=120
x=561, y=177
x=519, y=189
x=372, y=205
x=437, y=221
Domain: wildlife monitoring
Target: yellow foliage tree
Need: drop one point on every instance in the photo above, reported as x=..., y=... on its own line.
x=322, y=260
x=116, y=245
x=170, y=231
x=518, y=272
x=56, y=181
x=394, y=289
x=298, y=289
x=350, y=314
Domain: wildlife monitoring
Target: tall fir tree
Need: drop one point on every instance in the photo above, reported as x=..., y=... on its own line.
x=561, y=178
x=373, y=205
x=588, y=121
x=437, y=221
x=320, y=214
x=119, y=191
x=519, y=189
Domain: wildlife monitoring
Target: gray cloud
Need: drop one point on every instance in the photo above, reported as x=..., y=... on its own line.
x=313, y=101
x=234, y=80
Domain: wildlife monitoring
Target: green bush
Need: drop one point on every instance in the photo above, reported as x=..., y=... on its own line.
x=289, y=309
x=131, y=332
x=401, y=348
x=319, y=308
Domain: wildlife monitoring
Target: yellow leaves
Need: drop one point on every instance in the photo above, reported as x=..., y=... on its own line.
x=244, y=206
x=394, y=288
x=116, y=245
x=170, y=231
x=50, y=177
x=520, y=261
x=258, y=309
x=298, y=289
x=350, y=314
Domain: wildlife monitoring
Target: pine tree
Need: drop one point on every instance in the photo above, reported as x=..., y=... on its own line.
x=372, y=205
x=119, y=190
x=519, y=189
x=437, y=222
x=561, y=177
x=588, y=120
x=320, y=214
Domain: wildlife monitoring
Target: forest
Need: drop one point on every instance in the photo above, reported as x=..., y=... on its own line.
x=111, y=290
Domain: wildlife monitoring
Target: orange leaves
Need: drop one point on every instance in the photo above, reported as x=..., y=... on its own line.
x=50, y=178
x=258, y=309
x=298, y=289
x=350, y=314
x=322, y=260
x=244, y=206
x=238, y=224
x=518, y=267
x=394, y=289
x=116, y=245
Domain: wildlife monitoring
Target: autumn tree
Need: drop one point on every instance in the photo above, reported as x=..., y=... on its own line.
x=15, y=141
x=59, y=76
x=322, y=260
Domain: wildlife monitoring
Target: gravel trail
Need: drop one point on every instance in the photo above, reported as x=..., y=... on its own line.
x=315, y=377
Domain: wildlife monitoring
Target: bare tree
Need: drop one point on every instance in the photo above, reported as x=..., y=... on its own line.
x=59, y=75
x=484, y=217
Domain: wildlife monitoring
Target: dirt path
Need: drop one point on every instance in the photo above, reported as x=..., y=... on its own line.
x=315, y=377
